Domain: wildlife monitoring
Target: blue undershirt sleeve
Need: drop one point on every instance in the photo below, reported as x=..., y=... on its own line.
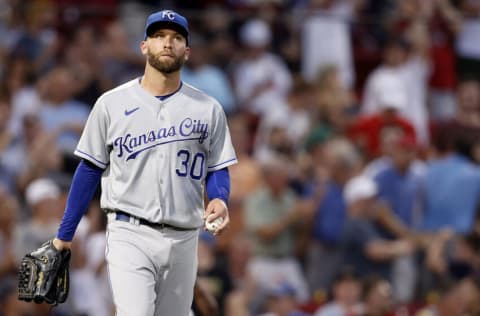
x=218, y=184
x=84, y=184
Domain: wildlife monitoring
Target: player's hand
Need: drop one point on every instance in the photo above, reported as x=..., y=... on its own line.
x=217, y=208
x=61, y=244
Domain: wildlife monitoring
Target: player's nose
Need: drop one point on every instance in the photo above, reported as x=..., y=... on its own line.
x=168, y=41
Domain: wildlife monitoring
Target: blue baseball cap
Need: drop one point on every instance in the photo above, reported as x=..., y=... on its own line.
x=167, y=19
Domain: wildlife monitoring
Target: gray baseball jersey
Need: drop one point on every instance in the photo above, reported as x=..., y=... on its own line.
x=156, y=153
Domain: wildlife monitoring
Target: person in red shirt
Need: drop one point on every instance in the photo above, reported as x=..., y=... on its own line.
x=367, y=132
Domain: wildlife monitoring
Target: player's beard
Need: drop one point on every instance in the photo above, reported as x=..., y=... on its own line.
x=167, y=65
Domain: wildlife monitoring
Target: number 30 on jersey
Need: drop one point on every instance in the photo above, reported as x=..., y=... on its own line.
x=190, y=164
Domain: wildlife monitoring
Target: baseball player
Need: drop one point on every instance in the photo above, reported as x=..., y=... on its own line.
x=155, y=143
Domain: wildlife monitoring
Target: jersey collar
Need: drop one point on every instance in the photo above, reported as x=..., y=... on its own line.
x=166, y=96
x=149, y=98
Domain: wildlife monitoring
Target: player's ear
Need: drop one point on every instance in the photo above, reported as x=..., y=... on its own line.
x=187, y=53
x=143, y=47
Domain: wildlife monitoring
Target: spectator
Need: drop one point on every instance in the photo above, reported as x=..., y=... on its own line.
x=340, y=162
x=454, y=255
x=200, y=73
x=271, y=217
x=368, y=131
x=25, y=98
x=442, y=21
x=42, y=197
x=293, y=117
x=389, y=144
x=82, y=57
x=118, y=58
x=362, y=244
x=468, y=102
x=346, y=293
x=456, y=298
x=334, y=100
x=326, y=39
x=216, y=24
x=377, y=297
x=32, y=156
x=273, y=141
x=60, y=114
x=401, y=78
x=452, y=190
x=282, y=301
x=39, y=42
x=399, y=185
x=261, y=79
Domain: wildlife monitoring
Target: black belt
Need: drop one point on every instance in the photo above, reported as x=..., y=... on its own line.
x=125, y=217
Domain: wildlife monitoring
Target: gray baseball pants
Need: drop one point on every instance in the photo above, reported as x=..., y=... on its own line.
x=152, y=271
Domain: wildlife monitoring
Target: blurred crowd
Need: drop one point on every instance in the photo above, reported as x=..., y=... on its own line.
x=357, y=128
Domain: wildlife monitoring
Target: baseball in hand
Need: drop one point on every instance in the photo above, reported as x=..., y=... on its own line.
x=212, y=226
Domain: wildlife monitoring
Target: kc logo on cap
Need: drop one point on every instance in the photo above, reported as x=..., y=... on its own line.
x=168, y=14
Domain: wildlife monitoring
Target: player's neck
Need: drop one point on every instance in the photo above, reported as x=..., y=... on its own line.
x=158, y=83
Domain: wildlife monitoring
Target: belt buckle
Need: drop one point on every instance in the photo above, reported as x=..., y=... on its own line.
x=134, y=220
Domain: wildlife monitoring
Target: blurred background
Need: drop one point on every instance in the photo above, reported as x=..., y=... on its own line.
x=357, y=128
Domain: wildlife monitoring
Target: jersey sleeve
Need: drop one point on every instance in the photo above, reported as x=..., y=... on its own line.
x=222, y=153
x=93, y=142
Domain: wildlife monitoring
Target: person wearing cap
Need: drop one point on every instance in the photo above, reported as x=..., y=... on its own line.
x=261, y=78
x=42, y=197
x=157, y=144
x=362, y=243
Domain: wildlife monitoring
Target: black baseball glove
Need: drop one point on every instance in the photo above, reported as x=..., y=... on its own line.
x=43, y=275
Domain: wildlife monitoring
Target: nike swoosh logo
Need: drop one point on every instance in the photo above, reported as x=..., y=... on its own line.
x=127, y=112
